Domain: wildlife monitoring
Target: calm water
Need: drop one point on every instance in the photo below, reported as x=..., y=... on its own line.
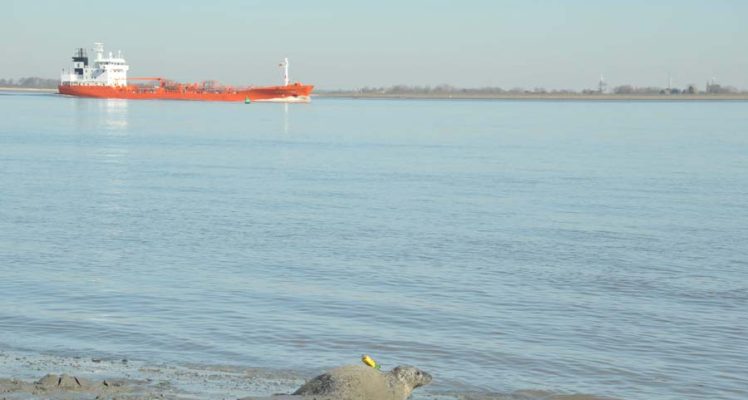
x=573, y=247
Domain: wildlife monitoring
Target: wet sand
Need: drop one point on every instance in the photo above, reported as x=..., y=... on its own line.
x=28, y=376
x=36, y=377
x=53, y=386
x=65, y=387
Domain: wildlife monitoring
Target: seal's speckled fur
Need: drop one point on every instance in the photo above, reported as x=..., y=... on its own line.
x=355, y=382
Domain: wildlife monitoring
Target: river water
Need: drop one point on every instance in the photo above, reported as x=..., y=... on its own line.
x=506, y=247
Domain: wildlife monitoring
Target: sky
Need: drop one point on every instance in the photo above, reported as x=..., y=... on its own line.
x=347, y=44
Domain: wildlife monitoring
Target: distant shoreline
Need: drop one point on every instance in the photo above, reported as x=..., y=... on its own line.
x=23, y=89
x=540, y=96
x=503, y=96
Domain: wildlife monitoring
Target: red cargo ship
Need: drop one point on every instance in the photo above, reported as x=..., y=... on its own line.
x=107, y=78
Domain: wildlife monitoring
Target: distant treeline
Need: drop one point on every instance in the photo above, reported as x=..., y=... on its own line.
x=442, y=90
x=30, y=82
x=711, y=88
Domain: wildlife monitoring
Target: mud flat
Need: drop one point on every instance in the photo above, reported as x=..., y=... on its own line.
x=36, y=377
x=31, y=376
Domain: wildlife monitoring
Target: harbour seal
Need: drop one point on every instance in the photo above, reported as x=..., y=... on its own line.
x=358, y=382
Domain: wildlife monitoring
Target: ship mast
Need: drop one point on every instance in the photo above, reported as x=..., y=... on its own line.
x=285, y=71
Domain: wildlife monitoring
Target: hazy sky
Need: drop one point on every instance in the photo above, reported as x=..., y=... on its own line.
x=349, y=44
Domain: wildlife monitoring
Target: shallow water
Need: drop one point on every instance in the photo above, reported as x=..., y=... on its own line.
x=571, y=247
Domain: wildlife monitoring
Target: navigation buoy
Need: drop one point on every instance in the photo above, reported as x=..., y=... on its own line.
x=247, y=100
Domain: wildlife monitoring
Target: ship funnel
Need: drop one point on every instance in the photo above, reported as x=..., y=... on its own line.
x=99, y=50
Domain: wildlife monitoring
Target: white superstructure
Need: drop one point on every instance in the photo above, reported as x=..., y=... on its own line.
x=104, y=71
x=284, y=64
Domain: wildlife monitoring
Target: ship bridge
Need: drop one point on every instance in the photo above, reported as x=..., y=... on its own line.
x=104, y=71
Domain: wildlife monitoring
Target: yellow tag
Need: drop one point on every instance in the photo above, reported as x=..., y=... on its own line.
x=370, y=361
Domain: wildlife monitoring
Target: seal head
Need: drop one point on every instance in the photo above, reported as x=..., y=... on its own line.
x=411, y=376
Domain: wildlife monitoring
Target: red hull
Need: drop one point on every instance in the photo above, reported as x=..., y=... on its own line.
x=292, y=93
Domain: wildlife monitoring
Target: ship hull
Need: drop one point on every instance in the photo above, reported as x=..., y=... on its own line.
x=289, y=94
